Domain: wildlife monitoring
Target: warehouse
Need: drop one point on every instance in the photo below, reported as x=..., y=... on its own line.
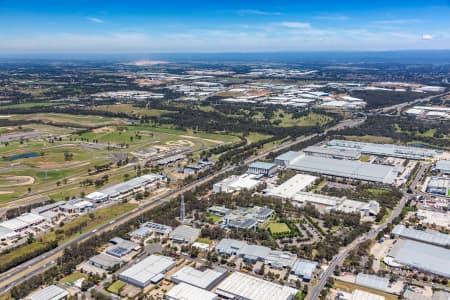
x=121, y=247
x=332, y=153
x=421, y=256
x=31, y=219
x=280, y=259
x=389, y=150
x=317, y=199
x=285, y=159
x=290, y=187
x=243, y=286
x=371, y=208
x=439, y=186
x=52, y=292
x=372, y=281
x=105, y=262
x=236, y=183
x=304, y=269
x=204, y=279
x=6, y=233
x=77, y=206
x=184, y=234
x=130, y=187
x=430, y=236
x=358, y=295
x=345, y=168
x=229, y=246
x=14, y=225
x=184, y=291
x=147, y=228
x=264, y=168
x=97, y=197
x=443, y=166
x=150, y=270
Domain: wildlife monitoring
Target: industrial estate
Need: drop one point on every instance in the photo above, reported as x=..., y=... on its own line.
x=174, y=181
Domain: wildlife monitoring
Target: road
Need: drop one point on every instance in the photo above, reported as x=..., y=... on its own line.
x=41, y=263
x=399, y=107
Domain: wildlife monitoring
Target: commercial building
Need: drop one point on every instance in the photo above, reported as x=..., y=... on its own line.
x=204, y=279
x=243, y=286
x=77, y=206
x=264, y=168
x=358, y=295
x=389, y=150
x=332, y=153
x=290, y=187
x=105, y=262
x=372, y=281
x=121, y=247
x=52, y=292
x=371, y=208
x=148, y=228
x=236, y=183
x=242, y=217
x=421, y=256
x=128, y=188
x=345, y=168
x=439, y=186
x=304, y=269
x=431, y=237
x=150, y=270
x=184, y=234
x=316, y=199
x=184, y=291
x=97, y=197
x=20, y=223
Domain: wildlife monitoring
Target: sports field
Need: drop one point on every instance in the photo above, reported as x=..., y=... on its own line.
x=278, y=228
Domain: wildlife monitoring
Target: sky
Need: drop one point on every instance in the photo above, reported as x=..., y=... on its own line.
x=165, y=26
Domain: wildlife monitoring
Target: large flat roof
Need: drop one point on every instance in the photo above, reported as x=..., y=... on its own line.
x=352, y=154
x=372, y=281
x=148, y=268
x=425, y=257
x=204, y=279
x=291, y=186
x=184, y=291
x=430, y=236
x=51, y=292
x=345, y=168
x=253, y=288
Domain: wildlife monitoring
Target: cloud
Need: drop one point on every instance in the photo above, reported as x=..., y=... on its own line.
x=245, y=12
x=333, y=17
x=95, y=20
x=397, y=21
x=297, y=25
x=427, y=37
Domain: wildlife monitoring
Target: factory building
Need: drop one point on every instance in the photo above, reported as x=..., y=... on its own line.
x=150, y=270
x=332, y=153
x=184, y=234
x=290, y=187
x=372, y=281
x=237, y=183
x=264, y=168
x=104, y=261
x=204, y=279
x=242, y=286
x=52, y=292
x=431, y=237
x=184, y=291
x=304, y=269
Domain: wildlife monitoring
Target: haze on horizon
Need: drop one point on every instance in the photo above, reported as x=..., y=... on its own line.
x=81, y=26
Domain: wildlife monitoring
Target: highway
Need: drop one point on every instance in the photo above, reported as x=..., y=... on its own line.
x=43, y=262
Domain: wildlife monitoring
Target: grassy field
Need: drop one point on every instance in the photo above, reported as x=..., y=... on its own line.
x=349, y=287
x=116, y=286
x=29, y=105
x=130, y=109
x=278, y=228
x=286, y=119
x=203, y=240
x=214, y=218
x=370, y=139
x=73, y=277
x=68, y=119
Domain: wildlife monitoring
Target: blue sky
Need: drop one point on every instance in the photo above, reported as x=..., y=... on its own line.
x=127, y=26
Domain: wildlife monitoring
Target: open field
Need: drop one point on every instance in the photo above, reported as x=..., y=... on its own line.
x=30, y=105
x=349, y=287
x=130, y=109
x=285, y=119
x=70, y=120
x=278, y=228
x=116, y=286
x=370, y=139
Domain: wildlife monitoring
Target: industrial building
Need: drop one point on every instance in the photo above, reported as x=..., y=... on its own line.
x=345, y=168
x=443, y=166
x=77, y=206
x=237, y=183
x=242, y=286
x=104, y=261
x=316, y=199
x=184, y=291
x=372, y=281
x=439, y=186
x=147, y=228
x=242, y=217
x=52, y=292
x=431, y=237
x=264, y=168
x=121, y=247
x=184, y=234
x=290, y=187
x=304, y=269
x=150, y=270
x=332, y=153
x=20, y=223
x=128, y=188
x=204, y=279
x=388, y=150
x=371, y=208
x=285, y=159
x=358, y=295
x=424, y=257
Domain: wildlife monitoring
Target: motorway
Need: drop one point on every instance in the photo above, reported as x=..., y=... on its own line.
x=43, y=262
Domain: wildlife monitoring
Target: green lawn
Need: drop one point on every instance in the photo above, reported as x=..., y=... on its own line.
x=278, y=228
x=203, y=240
x=116, y=286
x=214, y=218
x=73, y=277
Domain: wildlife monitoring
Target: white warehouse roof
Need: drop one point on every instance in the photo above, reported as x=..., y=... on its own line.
x=184, y=291
x=51, y=292
x=243, y=286
x=205, y=279
x=293, y=185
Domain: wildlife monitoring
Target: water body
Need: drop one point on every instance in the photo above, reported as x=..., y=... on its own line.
x=23, y=155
